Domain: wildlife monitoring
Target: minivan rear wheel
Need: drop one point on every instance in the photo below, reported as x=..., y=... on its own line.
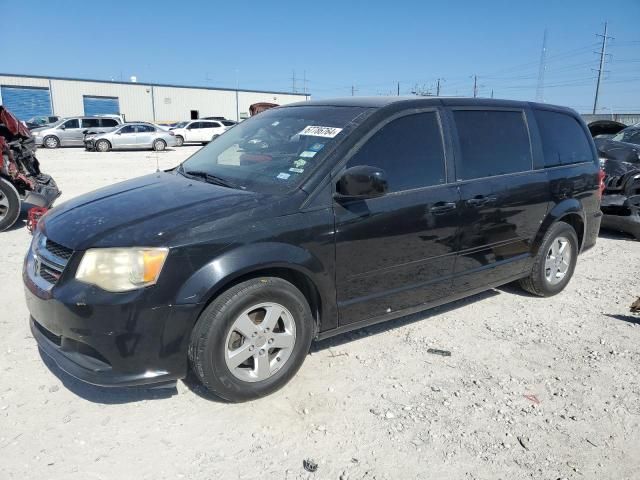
x=555, y=262
x=252, y=339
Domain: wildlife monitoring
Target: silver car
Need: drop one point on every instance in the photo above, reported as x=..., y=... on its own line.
x=131, y=136
x=69, y=132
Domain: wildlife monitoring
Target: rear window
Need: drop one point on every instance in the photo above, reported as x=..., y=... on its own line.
x=492, y=142
x=90, y=123
x=109, y=122
x=563, y=140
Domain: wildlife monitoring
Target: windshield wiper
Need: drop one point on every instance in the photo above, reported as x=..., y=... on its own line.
x=208, y=177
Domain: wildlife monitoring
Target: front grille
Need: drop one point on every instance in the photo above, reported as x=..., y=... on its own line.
x=51, y=258
x=58, y=250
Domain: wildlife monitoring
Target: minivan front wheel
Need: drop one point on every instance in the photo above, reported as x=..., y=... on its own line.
x=51, y=142
x=252, y=339
x=555, y=262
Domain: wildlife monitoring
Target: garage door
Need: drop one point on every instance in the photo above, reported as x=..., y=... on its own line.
x=26, y=102
x=101, y=105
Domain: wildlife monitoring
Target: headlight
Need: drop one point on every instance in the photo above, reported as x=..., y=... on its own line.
x=121, y=269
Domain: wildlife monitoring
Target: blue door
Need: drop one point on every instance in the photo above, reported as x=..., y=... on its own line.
x=101, y=105
x=26, y=102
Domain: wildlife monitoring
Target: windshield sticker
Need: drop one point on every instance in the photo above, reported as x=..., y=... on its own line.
x=308, y=154
x=316, y=131
x=296, y=170
x=316, y=147
x=283, y=176
x=299, y=163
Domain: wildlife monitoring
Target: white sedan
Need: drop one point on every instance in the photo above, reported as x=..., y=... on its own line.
x=197, y=131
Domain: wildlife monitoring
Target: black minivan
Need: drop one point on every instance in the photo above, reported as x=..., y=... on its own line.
x=307, y=221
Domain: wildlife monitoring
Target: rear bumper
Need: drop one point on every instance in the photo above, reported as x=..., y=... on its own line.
x=592, y=229
x=111, y=344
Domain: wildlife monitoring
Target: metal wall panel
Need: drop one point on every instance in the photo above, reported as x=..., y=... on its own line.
x=101, y=105
x=26, y=102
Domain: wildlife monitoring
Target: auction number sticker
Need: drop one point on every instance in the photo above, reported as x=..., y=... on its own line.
x=316, y=131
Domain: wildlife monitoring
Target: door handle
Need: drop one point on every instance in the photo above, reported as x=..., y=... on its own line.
x=442, y=207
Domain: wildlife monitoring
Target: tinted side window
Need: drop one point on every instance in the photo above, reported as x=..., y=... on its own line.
x=90, y=123
x=128, y=129
x=492, y=142
x=563, y=139
x=146, y=128
x=109, y=122
x=195, y=125
x=75, y=123
x=409, y=150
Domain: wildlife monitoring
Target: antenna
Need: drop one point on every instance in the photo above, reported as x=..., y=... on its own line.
x=543, y=68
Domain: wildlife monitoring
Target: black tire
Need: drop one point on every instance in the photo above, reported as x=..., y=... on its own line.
x=159, y=145
x=50, y=141
x=102, y=146
x=9, y=205
x=208, y=346
x=179, y=140
x=537, y=282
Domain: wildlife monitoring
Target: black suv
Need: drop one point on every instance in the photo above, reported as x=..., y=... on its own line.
x=307, y=221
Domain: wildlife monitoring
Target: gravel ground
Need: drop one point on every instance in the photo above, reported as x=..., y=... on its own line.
x=534, y=388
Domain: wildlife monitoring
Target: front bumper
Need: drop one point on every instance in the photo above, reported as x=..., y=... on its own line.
x=108, y=339
x=622, y=213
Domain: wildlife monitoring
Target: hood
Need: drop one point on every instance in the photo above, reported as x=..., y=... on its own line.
x=620, y=151
x=162, y=209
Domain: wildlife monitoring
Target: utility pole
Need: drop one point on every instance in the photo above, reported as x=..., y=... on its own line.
x=438, y=88
x=293, y=81
x=304, y=81
x=475, y=86
x=603, y=53
x=398, y=89
x=542, y=69
x=353, y=90
x=492, y=93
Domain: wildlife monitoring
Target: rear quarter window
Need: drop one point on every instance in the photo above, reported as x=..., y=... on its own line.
x=564, y=141
x=492, y=142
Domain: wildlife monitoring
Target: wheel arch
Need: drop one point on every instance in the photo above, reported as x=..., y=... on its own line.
x=569, y=211
x=104, y=140
x=291, y=263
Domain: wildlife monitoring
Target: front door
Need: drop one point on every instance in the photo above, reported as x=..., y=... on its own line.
x=71, y=133
x=503, y=200
x=125, y=137
x=398, y=251
x=194, y=132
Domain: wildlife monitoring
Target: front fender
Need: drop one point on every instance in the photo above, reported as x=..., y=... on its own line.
x=560, y=210
x=209, y=279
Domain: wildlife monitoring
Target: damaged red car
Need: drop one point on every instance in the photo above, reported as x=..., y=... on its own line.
x=21, y=181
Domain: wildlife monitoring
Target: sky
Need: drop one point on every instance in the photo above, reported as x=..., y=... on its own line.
x=340, y=47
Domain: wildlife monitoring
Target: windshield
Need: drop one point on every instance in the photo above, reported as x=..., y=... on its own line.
x=277, y=149
x=180, y=124
x=629, y=135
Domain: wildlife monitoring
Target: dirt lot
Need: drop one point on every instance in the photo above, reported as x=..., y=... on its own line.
x=534, y=388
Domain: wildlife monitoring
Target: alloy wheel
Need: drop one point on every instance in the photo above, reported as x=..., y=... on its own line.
x=558, y=260
x=4, y=206
x=260, y=341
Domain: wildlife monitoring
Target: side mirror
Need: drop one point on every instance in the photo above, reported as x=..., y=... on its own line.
x=119, y=133
x=361, y=182
x=62, y=127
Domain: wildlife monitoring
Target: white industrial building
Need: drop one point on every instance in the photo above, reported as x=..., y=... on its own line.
x=27, y=96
